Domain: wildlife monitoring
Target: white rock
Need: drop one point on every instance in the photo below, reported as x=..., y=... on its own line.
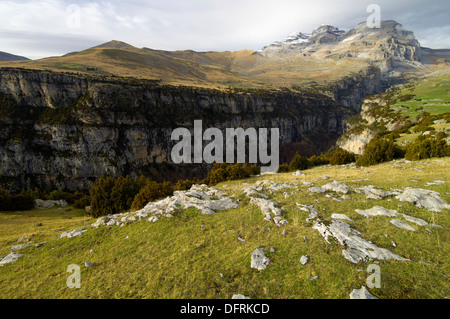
x=337, y=187
x=304, y=259
x=19, y=247
x=341, y=216
x=12, y=257
x=298, y=173
x=377, y=211
x=73, y=233
x=44, y=204
x=357, y=248
x=153, y=219
x=259, y=260
x=402, y=225
x=423, y=198
x=415, y=220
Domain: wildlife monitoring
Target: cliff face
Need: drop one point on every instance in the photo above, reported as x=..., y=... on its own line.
x=63, y=130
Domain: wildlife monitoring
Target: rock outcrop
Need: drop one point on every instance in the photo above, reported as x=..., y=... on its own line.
x=391, y=48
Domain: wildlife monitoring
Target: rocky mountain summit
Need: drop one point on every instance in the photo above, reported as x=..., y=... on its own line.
x=390, y=47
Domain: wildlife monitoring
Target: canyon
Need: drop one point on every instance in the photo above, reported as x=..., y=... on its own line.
x=111, y=109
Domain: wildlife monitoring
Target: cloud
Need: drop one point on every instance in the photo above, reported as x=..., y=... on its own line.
x=54, y=27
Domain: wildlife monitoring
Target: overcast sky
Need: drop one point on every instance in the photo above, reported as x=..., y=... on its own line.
x=42, y=28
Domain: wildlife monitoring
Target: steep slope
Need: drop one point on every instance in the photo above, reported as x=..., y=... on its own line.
x=402, y=106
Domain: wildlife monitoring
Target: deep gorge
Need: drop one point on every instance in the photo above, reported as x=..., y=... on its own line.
x=64, y=130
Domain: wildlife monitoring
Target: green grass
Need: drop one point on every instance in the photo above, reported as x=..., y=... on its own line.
x=177, y=258
x=428, y=94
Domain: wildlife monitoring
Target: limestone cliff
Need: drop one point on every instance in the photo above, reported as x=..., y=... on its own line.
x=61, y=130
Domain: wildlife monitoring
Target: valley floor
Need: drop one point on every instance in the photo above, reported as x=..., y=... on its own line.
x=195, y=255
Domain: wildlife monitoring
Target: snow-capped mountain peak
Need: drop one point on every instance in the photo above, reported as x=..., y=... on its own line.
x=297, y=37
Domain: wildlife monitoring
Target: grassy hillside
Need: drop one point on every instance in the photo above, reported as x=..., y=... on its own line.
x=223, y=70
x=200, y=256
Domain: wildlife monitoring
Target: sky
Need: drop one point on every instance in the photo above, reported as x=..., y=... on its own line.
x=43, y=28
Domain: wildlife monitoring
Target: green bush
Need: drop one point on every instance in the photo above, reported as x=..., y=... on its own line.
x=440, y=136
x=60, y=194
x=283, y=168
x=379, y=150
x=222, y=172
x=298, y=162
x=22, y=201
x=183, y=185
x=82, y=202
x=112, y=195
x=427, y=147
x=341, y=157
x=150, y=192
x=5, y=200
x=317, y=160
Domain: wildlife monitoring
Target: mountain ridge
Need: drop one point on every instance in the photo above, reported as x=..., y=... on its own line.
x=328, y=54
x=4, y=56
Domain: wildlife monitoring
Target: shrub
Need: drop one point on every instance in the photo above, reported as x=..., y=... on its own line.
x=341, y=157
x=427, y=147
x=22, y=201
x=283, y=168
x=82, y=202
x=112, y=195
x=222, y=172
x=298, y=162
x=184, y=185
x=150, y=192
x=379, y=150
x=5, y=200
x=60, y=194
x=440, y=136
x=237, y=171
x=318, y=160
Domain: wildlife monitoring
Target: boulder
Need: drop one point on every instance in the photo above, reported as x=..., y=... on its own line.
x=259, y=260
x=19, y=247
x=402, y=225
x=377, y=211
x=45, y=204
x=357, y=248
x=304, y=259
x=423, y=198
x=12, y=257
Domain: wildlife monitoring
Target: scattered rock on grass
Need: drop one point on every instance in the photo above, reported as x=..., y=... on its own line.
x=19, y=247
x=377, y=211
x=12, y=257
x=259, y=260
x=304, y=259
x=423, y=198
x=402, y=225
